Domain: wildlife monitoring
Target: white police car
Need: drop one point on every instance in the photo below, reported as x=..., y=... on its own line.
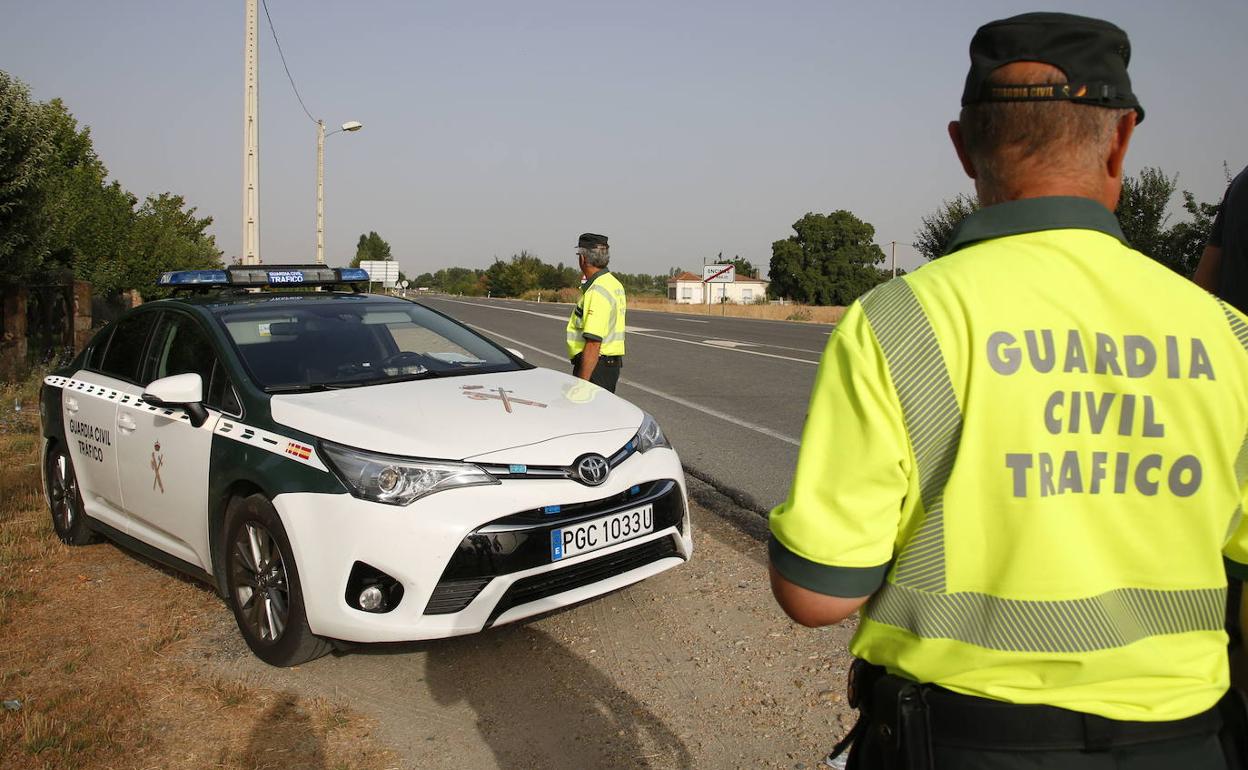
x=345, y=466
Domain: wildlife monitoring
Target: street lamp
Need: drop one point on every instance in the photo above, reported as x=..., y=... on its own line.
x=350, y=125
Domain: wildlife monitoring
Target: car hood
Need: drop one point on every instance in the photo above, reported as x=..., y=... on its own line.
x=456, y=418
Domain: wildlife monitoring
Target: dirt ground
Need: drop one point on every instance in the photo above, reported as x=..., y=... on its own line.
x=694, y=668
x=118, y=663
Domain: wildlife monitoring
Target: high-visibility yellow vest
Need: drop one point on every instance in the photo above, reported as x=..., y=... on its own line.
x=599, y=315
x=1033, y=452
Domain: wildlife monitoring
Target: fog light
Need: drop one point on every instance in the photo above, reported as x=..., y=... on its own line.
x=389, y=478
x=372, y=599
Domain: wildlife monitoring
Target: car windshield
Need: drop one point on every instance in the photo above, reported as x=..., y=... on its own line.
x=317, y=345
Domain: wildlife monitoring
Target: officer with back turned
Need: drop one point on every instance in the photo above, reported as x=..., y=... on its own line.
x=1024, y=471
x=596, y=326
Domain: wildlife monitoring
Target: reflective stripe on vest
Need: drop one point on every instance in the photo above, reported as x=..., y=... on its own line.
x=915, y=597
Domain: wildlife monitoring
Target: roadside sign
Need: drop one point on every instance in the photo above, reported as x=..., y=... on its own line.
x=385, y=272
x=719, y=273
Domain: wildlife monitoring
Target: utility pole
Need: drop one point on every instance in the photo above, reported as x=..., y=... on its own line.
x=320, y=192
x=894, y=258
x=251, y=137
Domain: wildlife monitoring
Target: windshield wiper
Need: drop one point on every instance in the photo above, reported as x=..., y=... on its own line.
x=314, y=387
x=427, y=374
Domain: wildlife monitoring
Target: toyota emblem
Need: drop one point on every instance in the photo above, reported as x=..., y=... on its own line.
x=592, y=469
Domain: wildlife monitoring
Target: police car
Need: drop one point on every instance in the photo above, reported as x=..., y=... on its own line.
x=343, y=466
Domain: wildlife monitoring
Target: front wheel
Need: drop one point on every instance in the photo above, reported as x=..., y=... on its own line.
x=65, y=499
x=263, y=588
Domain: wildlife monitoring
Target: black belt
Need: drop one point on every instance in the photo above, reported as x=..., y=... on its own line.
x=609, y=360
x=953, y=719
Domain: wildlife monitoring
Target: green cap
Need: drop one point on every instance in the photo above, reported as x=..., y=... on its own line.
x=591, y=241
x=1092, y=53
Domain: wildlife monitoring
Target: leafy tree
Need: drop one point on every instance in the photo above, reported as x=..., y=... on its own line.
x=938, y=226
x=1142, y=213
x=167, y=236
x=25, y=148
x=744, y=267
x=828, y=261
x=371, y=247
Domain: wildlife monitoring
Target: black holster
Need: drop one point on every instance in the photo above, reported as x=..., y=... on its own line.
x=893, y=729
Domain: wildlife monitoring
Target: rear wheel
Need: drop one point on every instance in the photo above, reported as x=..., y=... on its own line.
x=65, y=499
x=263, y=587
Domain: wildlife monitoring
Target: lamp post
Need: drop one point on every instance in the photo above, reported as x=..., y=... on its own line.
x=350, y=125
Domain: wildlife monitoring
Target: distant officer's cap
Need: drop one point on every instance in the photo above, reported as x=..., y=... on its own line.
x=592, y=241
x=1092, y=53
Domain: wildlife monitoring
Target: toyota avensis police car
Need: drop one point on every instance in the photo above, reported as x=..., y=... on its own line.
x=345, y=466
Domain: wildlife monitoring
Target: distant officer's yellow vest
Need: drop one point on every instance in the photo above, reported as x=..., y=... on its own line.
x=599, y=315
x=1033, y=452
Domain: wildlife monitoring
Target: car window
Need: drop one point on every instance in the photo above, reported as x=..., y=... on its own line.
x=336, y=344
x=181, y=347
x=98, y=345
x=221, y=393
x=125, y=347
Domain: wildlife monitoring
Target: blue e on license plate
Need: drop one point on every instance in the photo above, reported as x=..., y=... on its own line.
x=600, y=533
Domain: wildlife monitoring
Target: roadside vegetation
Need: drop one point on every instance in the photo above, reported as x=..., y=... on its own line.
x=98, y=659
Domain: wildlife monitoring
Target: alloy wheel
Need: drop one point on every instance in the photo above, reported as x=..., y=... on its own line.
x=262, y=589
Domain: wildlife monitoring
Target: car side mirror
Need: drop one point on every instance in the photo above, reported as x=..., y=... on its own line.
x=515, y=353
x=181, y=391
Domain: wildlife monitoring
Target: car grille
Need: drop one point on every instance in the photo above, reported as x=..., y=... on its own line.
x=539, y=586
x=453, y=595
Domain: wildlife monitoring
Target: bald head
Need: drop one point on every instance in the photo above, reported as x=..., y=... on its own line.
x=1029, y=149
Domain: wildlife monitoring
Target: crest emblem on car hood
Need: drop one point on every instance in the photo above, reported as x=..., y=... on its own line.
x=481, y=393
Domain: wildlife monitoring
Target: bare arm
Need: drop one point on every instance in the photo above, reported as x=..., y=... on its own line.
x=589, y=359
x=1209, y=268
x=810, y=608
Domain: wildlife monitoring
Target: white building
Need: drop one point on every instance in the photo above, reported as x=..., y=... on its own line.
x=688, y=289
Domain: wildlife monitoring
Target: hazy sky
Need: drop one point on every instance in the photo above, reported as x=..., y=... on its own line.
x=680, y=128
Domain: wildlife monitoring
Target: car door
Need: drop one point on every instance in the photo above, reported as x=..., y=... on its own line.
x=164, y=458
x=90, y=404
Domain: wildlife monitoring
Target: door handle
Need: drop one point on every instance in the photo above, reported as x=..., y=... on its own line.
x=126, y=423
x=71, y=404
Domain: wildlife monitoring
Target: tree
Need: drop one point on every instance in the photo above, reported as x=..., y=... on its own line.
x=938, y=227
x=1142, y=214
x=828, y=261
x=371, y=247
x=25, y=148
x=744, y=267
x=167, y=236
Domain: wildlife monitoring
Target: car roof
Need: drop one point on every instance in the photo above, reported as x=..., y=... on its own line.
x=217, y=302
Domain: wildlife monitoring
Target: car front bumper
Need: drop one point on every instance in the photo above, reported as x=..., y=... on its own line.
x=447, y=589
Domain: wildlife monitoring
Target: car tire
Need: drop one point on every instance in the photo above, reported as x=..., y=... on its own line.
x=262, y=585
x=69, y=518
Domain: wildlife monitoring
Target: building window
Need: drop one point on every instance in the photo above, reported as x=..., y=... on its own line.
x=686, y=293
x=671, y=293
x=747, y=295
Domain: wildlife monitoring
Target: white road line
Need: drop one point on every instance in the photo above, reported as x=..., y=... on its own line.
x=643, y=332
x=688, y=320
x=667, y=396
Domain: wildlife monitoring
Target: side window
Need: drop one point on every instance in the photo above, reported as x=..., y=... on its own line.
x=98, y=345
x=125, y=348
x=221, y=394
x=180, y=347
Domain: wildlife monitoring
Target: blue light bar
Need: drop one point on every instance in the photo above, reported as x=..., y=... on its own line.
x=256, y=276
x=194, y=277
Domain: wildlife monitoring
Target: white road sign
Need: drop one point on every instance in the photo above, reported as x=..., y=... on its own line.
x=385, y=272
x=719, y=273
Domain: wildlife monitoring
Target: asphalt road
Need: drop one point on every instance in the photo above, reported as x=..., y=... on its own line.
x=731, y=393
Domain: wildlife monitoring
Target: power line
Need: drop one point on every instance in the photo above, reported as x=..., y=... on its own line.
x=293, y=87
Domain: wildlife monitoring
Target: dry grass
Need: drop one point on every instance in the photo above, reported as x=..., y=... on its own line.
x=98, y=647
x=791, y=312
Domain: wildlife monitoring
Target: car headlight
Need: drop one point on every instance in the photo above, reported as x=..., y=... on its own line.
x=650, y=435
x=399, y=480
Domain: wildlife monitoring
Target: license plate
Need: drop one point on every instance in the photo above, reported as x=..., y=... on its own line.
x=600, y=533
